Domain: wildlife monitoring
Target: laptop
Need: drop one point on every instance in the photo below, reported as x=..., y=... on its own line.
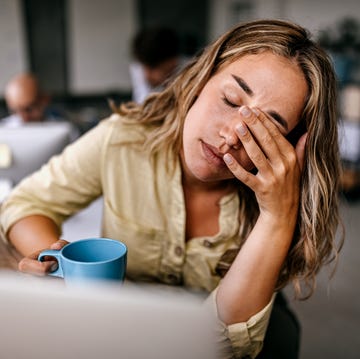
x=41, y=318
x=26, y=148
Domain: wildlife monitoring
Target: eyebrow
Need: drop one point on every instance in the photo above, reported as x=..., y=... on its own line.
x=276, y=116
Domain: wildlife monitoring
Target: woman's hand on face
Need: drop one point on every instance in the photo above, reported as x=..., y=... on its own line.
x=277, y=181
x=31, y=264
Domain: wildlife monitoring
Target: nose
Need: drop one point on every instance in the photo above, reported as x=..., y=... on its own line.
x=229, y=137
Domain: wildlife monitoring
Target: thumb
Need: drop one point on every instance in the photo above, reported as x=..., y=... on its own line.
x=59, y=244
x=300, y=150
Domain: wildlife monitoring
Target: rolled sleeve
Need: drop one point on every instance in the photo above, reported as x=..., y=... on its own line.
x=63, y=186
x=240, y=340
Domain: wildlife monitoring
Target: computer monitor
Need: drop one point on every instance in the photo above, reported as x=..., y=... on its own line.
x=24, y=149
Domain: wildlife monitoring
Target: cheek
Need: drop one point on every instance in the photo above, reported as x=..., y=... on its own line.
x=189, y=124
x=191, y=132
x=196, y=119
x=206, y=116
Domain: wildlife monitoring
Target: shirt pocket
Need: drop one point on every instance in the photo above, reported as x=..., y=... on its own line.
x=145, y=244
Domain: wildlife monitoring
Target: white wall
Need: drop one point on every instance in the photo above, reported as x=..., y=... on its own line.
x=319, y=14
x=12, y=55
x=99, y=35
x=223, y=14
x=313, y=14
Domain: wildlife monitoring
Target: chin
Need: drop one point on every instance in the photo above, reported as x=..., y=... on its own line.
x=207, y=176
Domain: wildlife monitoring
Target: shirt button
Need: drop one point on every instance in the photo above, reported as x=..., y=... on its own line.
x=178, y=251
x=207, y=243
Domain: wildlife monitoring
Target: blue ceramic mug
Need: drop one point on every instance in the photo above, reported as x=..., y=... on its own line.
x=89, y=259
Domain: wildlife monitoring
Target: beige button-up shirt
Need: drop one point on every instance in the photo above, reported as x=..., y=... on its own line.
x=144, y=208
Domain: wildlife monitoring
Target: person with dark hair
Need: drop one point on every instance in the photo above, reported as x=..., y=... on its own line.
x=156, y=52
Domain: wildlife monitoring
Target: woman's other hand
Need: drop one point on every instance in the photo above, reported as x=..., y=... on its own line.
x=31, y=265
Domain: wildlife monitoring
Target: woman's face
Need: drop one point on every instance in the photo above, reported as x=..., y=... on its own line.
x=266, y=81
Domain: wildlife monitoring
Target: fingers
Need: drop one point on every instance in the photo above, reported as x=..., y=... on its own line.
x=239, y=172
x=282, y=142
x=265, y=133
x=31, y=264
x=59, y=244
x=268, y=149
x=251, y=132
x=257, y=139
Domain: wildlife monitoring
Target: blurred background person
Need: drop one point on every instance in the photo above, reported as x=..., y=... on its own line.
x=156, y=54
x=27, y=102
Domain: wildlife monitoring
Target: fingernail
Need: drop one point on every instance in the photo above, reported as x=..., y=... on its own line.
x=245, y=111
x=228, y=158
x=241, y=128
x=256, y=111
x=55, y=245
x=54, y=267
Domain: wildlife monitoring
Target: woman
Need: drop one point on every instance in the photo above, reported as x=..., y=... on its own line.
x=225, y=182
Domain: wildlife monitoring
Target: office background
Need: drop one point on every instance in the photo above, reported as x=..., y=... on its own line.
x=81, y=47
x=80, y=51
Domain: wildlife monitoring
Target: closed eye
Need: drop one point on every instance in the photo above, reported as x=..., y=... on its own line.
x=229, y=103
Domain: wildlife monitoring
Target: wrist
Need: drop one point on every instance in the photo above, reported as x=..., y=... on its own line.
x=278, y=223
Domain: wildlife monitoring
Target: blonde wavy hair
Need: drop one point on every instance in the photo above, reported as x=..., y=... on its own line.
x=314, y=243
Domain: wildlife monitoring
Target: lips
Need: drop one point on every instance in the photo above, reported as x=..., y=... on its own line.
x=212, y=155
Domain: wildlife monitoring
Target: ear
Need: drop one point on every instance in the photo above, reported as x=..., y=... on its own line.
x=300, y=150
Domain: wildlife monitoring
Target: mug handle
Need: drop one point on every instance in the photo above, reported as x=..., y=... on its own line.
x=53, y=253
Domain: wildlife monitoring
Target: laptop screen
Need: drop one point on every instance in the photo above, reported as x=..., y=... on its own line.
x=25, y=149
x=41, y=318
